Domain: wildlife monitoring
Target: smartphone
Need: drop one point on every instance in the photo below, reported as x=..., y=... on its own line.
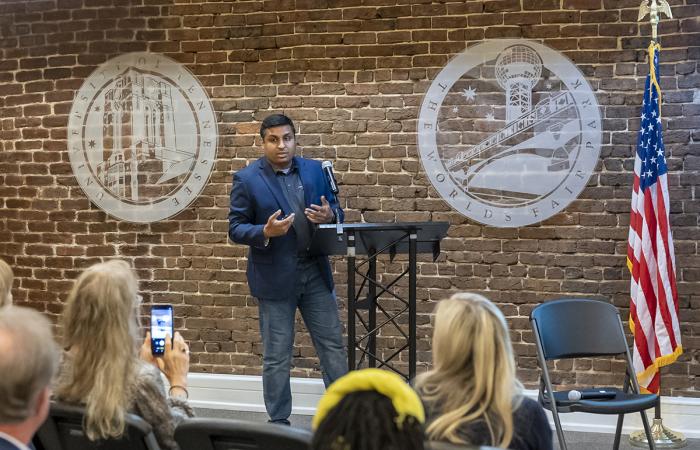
x=161, y=324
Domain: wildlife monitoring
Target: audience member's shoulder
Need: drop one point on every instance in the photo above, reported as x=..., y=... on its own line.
x=530, y=414
x=62, y=373
x=532, y=426
x=148, y=387
x=530, y=408
x=65, y=366
x=529, y=403
x=148, y=375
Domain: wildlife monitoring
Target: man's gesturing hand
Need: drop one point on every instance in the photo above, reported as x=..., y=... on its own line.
x=274, y=227
x=320, y=214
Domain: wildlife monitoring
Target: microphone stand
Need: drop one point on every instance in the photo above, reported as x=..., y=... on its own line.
x=332, y=184
x=338, y=224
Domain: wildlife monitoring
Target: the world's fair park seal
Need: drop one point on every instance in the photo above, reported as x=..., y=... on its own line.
x=509, y=132
x=142, y=137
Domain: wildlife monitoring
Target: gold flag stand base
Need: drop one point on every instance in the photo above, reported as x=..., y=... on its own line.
x=663, y=437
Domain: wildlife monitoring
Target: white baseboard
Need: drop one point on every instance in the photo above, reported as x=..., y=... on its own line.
x=244, y=393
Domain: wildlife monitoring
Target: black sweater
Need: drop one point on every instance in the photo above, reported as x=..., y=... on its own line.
x=531, y=430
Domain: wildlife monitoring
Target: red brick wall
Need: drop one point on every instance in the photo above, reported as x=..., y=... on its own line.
x=352, y=74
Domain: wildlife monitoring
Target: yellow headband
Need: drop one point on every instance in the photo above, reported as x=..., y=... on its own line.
x=405, y=400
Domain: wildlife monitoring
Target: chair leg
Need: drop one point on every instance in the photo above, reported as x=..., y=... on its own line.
x=647, y=430
x=548, y=383
x=618, y=431
x=560, y=432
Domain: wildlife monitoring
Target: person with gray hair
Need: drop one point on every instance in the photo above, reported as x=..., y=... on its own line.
x=28, y=361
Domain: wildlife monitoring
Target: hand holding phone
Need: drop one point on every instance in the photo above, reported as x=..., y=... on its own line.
x=161, y=326
x=176, y=361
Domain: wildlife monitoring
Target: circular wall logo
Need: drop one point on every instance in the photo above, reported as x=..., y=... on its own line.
x=509, y=132
x=142, y=137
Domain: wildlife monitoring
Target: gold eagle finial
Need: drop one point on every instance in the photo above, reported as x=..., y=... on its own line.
x=653, y=9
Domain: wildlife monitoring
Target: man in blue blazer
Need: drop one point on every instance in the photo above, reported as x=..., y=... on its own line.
x=276, y=204
x=28, y=361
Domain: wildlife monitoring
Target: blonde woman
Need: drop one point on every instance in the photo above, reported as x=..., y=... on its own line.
x=472, y=395
x=6, y=279
x=103, y=367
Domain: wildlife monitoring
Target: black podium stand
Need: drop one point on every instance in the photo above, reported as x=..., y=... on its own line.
x=372, y=240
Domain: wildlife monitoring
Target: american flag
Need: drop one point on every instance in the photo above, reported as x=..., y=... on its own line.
x=650, y=256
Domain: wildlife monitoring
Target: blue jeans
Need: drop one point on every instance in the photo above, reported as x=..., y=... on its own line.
x=319, y=310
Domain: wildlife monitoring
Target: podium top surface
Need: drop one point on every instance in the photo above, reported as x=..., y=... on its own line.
x=368, y=237
x=429, y=227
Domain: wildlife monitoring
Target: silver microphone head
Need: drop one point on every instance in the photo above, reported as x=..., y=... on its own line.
x=574, y=395
x=327, y=168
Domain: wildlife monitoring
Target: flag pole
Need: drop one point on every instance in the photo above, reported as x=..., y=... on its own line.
x=663, y=436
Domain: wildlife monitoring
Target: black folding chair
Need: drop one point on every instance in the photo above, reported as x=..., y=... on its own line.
x=440, y=445
x=228, y=434
x=575, y=328
x=63, y=430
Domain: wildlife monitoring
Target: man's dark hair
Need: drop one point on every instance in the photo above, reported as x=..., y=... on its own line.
x=365, y=420
x=275, y=120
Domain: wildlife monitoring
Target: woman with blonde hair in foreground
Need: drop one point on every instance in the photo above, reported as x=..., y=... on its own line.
x=6, y=279
x=103, y=367
x=472, y=395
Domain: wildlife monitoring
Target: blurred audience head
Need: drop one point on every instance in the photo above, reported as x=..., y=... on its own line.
x=369, y=409
x=101, y=333
x=473, y=375
x=28, y=361
x=6, y=279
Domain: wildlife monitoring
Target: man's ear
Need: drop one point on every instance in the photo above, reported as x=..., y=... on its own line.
x=42, y=403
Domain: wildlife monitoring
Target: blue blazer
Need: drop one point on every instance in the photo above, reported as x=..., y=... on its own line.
x=256, y=194
x=7, y=445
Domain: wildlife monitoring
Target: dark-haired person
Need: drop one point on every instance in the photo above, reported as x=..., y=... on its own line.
x=369, y=409
x=471, y=395
x=275, y=204
x=28, y=361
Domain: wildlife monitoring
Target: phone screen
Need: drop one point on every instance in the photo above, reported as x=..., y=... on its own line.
x=161, y=324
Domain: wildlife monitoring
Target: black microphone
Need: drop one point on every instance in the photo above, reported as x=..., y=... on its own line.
x=575, y=395
x=327, y=167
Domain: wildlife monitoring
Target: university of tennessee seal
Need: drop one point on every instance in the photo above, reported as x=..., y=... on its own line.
x=142, y=137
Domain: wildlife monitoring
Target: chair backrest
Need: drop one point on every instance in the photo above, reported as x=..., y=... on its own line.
x=63, y=430
x=440, y=445
x=572, y=328
x=229, y=434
